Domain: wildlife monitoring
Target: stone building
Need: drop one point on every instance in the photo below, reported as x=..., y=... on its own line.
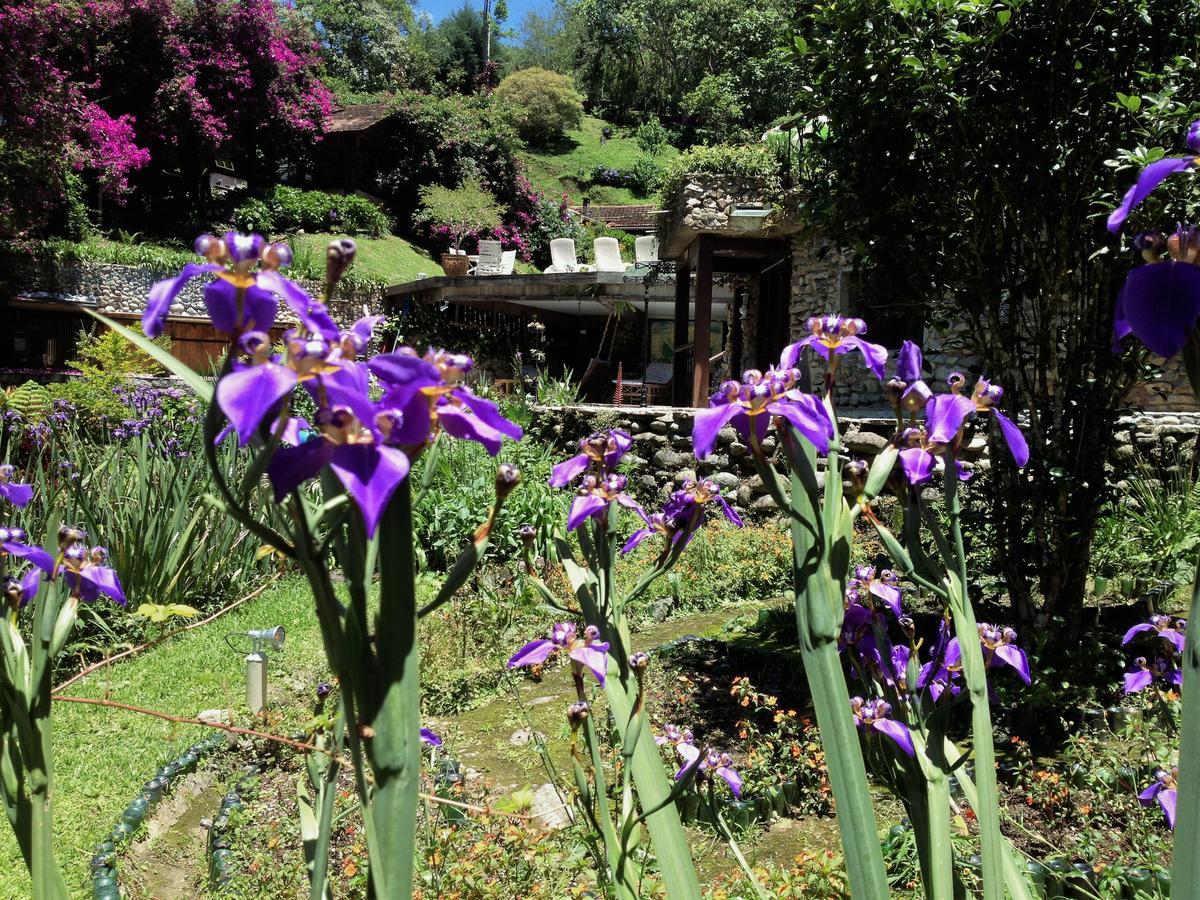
x=783, y=273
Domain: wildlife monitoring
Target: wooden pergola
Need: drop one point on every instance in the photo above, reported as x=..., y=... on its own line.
x=709, y=255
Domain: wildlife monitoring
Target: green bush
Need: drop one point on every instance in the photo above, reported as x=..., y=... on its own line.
x=287, y=209
x=652, y=137
x=455, y=212
x=541, y=105
x=645, y=176
x=749, y=161
x=714, y=107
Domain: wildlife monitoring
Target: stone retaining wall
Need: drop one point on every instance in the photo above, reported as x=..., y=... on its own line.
x=662, y=452
x=123, y=289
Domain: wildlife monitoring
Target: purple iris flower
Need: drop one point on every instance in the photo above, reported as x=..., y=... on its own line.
x=15, y=493
x=1160, y=301
x=908, y=391
x=832, y=336
x=431, y=395
x=999, y=649
x=945, y=416
x=356, y=443
x=944, y=669
x=875, y=714
x=900, y=657
x=19, y=591
x=602, y=450
x=587, y=651
x=593, y=497
x=682, y=740
x=858, y=631
x=12, y=542
x=1165, y=790
x=428, y=737
x=1153, y=175
x=750, y=404
x=683, y=514
x=865, y=585
x=239, y=298
x=722, y=765
x=1170, y=630
x=1147, y=672
x=85, y=572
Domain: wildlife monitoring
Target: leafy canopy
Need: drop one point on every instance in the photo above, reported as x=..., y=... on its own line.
x=542, y=105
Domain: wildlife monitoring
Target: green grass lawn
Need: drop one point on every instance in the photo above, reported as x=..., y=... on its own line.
x=391, y=259
x=557, y=169
x=105, y=755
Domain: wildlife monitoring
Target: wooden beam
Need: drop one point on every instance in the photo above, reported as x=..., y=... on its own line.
x=683, y=283
x=702, y=322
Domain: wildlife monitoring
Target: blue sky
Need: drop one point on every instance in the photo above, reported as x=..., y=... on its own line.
x=439, y=9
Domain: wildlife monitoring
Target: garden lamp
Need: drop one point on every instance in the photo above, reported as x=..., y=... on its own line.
x=256, y=664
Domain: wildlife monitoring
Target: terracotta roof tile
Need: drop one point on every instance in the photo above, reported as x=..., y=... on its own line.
x=359, y=117
x=629, y=216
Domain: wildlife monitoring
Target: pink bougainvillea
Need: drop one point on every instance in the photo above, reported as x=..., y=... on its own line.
x=111, y=88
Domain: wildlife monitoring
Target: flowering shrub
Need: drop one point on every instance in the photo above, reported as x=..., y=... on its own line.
x=121, y=90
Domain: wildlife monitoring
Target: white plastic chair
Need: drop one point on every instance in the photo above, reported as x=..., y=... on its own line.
x=490, y=259
x=562, y=258
x=645, y=249
x=608, y=255
x=508, y=259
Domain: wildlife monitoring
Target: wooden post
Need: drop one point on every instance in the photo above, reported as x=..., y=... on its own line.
x=702, y=323
x=683, y=289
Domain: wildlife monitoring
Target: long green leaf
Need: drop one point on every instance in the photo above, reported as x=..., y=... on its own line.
x=200, y=386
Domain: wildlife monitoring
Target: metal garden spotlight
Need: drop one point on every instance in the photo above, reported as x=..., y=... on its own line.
x=256, y=663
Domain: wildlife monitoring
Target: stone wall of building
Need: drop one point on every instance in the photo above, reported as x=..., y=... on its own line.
x=821, y=283
x=662, y=458
x=123, y=289
x=706, y=200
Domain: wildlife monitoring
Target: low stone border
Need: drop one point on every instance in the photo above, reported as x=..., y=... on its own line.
x=220, y=834
x=104, y=862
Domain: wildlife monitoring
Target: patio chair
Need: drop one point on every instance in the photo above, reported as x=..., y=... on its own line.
x=655, y=384
x=645, y=249
x=508, y=259
x=608, y=255
x=490, y=259
x=562, y=258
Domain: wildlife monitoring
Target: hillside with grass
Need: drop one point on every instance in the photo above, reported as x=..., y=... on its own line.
x=567, y=167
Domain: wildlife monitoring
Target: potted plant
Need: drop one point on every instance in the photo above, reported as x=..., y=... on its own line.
x=461, y=211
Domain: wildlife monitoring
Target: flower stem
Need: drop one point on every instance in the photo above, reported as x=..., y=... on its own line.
x=967, y=631
x=1185, y=869
x=395, y=750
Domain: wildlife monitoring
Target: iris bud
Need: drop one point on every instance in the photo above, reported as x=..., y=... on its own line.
x=639, y=662
x=855, y=472
x=68, y=536
x=324, y=689
x=908, y=626
x=894, y=390
x=528, y=535
x=338, y=256
x=577, y=714
x=507, y=477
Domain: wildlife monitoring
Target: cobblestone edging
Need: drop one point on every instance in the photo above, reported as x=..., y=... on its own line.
x=104, y=861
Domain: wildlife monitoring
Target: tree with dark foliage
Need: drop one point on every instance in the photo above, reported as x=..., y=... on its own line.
x=974, y=150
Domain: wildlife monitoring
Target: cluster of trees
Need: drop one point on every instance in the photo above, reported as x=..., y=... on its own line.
x=972, y=152
x=713, y=70
x=102, y=97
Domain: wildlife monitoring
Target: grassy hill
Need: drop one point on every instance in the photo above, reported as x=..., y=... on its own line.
x=567, y=166
x=390, y=259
